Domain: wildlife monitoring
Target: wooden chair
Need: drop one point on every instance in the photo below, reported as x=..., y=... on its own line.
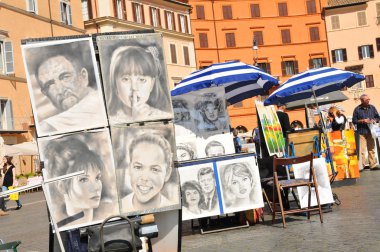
x=280, y=185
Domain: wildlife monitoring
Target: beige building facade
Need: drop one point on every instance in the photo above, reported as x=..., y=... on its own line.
x=21, y=20
x=168, y=17
x=353, y=32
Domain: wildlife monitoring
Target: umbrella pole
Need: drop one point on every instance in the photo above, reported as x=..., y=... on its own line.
x=328, y=152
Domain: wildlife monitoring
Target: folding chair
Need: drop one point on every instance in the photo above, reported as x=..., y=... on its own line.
x=280, y=185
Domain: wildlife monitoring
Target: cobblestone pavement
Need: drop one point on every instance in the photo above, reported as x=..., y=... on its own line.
x=352, y=226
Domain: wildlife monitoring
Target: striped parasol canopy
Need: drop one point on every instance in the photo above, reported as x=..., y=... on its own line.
x=314, y=82
x=241, y=81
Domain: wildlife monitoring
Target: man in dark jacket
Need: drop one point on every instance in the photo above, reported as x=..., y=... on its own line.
x=283, y=117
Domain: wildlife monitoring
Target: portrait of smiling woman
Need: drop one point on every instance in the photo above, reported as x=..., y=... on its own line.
x=147, y=181
x=84, y=199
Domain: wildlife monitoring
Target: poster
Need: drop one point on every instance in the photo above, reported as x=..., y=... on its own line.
x=240, y=185
x=199, y=191
x=85, y=199
x=203, y=112
x=271, y=128
x=134, y=78
x=146, y=177
x=324, y=187
x=64, y=86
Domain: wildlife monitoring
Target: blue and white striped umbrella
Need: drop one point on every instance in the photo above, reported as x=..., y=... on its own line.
x=241, y=81
x=320, y=80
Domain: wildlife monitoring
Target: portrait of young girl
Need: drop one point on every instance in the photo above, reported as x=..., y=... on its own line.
x=87, y=198
x=135, y=78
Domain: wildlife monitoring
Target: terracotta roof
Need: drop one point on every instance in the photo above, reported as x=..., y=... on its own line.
x=334, y=3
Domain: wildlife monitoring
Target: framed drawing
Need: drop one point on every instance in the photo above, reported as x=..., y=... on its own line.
x=240, y=185
x=147, y=180
x=85, y=199
x=216, y=145
x=134, y=78
x=199, y=191
x=64, y=86
x=186, y=148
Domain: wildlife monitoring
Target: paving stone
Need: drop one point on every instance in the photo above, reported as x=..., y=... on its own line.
x=351, y=226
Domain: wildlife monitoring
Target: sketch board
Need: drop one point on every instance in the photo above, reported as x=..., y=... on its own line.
x=91, y=197
x=134, y=78
x=146, y=178
x=324, y=187
x=64, y=86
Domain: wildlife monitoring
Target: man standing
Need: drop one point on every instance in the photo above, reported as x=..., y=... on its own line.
x=364, y=115
x=207, y=181
x=283, y=117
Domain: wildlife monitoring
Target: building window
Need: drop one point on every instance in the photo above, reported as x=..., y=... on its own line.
x=66, y=12
x=31, y=6
x=282, y=9
x=173, y=53
x=186, y=55
x=366, y=52
x=339, y=55
x=317, y=63
x=155, y=18
x=369, y=81
x=119, y=9
x=6, y=114
x=255, y=10
x=378, y=44
x=183, y=23
x=314, y=33
x=86, y=10
x=289, y=67
x=230, y=40
x=264, y=66
x=203, y=40
x=138, y=13
x=6, y=57
x=285, y=35
x=258, y=36
x=169, y=18
x=335, y=24
x=378, y=13
x=227, y=11
x=311, y=8
x=362, y=19
x=200, y=11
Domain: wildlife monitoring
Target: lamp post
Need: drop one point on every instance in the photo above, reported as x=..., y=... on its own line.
x=255, y=48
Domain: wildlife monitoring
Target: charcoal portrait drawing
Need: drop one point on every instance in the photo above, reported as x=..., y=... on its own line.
x=134, y=78
x=64, y=86
x=87, y=198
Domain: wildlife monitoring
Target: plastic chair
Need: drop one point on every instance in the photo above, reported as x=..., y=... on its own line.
x=280, y=185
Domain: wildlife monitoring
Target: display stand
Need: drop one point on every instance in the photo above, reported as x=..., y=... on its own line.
x=220, y=225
